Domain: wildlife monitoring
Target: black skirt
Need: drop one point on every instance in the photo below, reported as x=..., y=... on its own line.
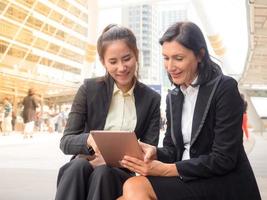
x=232, y=186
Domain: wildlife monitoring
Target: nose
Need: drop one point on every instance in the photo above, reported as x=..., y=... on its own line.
x=121, y=66
x=170, y=65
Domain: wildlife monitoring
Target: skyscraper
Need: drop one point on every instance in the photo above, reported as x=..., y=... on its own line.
x=168, y=15
x=142, y=20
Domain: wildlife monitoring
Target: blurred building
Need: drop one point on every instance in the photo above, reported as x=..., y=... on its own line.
x=46, y=45
x=143, y=21
x=169, y=15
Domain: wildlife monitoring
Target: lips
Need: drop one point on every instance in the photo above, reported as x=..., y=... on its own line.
x=176, y=75
x=122, y=76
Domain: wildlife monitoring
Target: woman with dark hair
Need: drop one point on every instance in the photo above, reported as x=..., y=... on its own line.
x=202, y=155
x=117, y=101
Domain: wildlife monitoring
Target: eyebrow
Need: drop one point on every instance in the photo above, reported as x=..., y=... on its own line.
x=112, y=59
x=180, y=55
x=127, y=55
x=123, y=57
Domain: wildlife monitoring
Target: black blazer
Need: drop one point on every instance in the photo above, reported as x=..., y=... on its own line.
x=90, y=108
x=216, y=140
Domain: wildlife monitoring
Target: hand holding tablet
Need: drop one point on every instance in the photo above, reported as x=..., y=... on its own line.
x=114, y=145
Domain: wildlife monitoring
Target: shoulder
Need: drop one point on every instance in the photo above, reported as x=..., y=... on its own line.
x=141, y=87
x=93, y=81
x=228, y=91
x=91, y=84
x=227, y=82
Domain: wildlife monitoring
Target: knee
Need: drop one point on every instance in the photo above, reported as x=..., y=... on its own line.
x=102, y=171
x=79, y=165
x=134, y=188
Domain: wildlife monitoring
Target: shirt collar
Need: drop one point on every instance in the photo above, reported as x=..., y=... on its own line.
x=128, y=93
x=189, y=89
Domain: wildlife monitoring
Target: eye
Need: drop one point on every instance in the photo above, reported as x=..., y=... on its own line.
x=112, y=63
x=179, y=58
x=165, y=58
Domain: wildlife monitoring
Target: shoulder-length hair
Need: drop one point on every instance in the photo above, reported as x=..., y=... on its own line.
x=190, y=36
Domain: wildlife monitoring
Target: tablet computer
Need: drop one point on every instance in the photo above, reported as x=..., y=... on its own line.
x=114, y=145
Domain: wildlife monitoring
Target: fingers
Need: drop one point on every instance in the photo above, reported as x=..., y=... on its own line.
x=135, y=165
x=130, y=165
x=148, y=156
x=91, y=142
x=149, y=151
x=133, y=160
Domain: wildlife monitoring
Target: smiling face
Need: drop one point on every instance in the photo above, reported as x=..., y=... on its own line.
x=120, y=62
x=180, y=62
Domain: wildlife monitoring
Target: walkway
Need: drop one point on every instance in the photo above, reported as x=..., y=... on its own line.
x=258, y=160
x=28, y=167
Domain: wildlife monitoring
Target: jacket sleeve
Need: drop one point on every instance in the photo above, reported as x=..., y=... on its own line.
x=151, y=132
x=35, y=102
x=74, y=140
x=227, y=139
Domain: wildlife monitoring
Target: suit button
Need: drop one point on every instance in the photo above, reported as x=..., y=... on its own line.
x=193, y=151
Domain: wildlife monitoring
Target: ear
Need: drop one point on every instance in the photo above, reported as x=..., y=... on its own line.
x=201, y=54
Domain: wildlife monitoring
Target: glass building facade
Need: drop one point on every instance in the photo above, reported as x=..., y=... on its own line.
x=43, y=44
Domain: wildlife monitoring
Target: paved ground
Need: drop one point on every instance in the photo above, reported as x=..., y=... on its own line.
x=28, y=167
x=258, y=160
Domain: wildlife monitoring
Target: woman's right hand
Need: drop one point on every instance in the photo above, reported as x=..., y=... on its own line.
x=150, y=152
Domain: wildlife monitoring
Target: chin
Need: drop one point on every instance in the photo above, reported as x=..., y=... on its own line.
x=124, y=82
x=178, y=81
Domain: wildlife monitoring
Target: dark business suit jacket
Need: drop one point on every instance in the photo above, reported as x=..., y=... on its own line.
x=90, y=108
x=216, y=141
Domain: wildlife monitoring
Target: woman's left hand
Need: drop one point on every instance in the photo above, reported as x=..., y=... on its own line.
x=148, y=168
x=98, y=160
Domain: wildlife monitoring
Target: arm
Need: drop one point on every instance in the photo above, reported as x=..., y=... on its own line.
x=74, y=140
x=227, y=141
x=35, y=102
x=151, y=132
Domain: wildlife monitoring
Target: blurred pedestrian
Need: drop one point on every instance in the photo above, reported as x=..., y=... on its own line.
x=1, y=117
x=7, y=126
x=29, y=113
x=245, y=117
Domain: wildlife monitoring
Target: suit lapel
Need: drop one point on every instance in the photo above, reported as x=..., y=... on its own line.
x=204, y=98
x=139, y=103
x=176, y=100
x=106, y=98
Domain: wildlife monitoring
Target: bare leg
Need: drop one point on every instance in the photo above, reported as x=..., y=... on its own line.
x=138, y=187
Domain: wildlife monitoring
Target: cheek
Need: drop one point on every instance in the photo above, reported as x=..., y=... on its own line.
x=132, y=64
x=165, y=65
x=110, y=68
